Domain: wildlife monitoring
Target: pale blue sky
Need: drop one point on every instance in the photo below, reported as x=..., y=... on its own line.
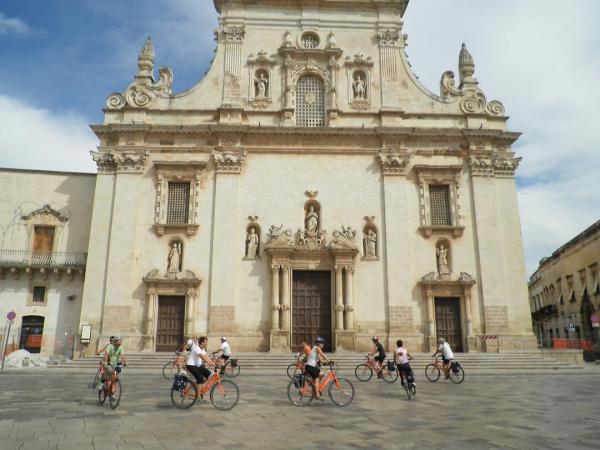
x=60, y=60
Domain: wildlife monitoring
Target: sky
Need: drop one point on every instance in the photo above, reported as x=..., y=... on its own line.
x=59, y=61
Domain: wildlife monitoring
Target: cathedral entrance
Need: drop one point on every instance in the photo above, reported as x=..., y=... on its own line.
x=311, y=308
x=447, y=321
x=170, y=322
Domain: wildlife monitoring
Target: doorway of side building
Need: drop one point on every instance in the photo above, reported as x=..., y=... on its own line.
x=311, y=308
x=170, y=322
x=32, y=330
x=447, y=321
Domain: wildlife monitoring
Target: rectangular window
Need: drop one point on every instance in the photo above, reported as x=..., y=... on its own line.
x=439, y=203
x=178, y=202
x=43, y=239
x=39, y=294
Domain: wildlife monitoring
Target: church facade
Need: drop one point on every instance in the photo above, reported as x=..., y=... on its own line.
x=307, y=185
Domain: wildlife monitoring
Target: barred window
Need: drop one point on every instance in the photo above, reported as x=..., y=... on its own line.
x=310, y=102
x=178, y=202
x=439, y=203
x=309, y=40
x=39, y=294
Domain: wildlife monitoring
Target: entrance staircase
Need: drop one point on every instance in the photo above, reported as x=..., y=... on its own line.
x=276, y=363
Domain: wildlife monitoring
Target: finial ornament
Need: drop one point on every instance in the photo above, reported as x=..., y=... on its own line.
x=466, y=67
x=146, y=59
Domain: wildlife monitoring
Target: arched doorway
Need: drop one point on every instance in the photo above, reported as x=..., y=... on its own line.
x=32, y=330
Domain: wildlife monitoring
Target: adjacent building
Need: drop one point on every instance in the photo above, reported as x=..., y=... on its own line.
x=564, y=293
x=308, y=185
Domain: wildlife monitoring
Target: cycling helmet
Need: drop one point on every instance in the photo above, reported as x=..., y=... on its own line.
x=374, y=338
x=223, y=339
x=320, y=340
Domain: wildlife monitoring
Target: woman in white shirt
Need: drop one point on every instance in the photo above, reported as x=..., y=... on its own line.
x=402, y=358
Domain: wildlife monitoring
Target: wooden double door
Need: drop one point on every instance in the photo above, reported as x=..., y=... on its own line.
x=311, y=308
x=170, y=322
x=447, y=321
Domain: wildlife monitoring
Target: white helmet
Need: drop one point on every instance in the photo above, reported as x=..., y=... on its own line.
x=223, y=339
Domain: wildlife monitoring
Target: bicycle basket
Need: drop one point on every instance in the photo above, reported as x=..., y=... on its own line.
x=454, y=367
x=178, y=383
x=233, y=362
x=391, y=366
x=299, y=381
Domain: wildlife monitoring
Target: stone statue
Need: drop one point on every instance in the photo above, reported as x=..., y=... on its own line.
x=251, y=244
x=371, y=243
x=261, y=84
x=442, y=253
x=174, y=258
x=312, y=221
x=359, y=88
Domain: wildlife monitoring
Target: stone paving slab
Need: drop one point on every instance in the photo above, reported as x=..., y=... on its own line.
x=58, y=411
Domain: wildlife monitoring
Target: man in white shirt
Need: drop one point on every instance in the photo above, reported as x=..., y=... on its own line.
x=196, y=360
x=225, y=349
x=447, y=355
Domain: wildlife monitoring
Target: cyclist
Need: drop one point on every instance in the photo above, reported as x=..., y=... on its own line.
x=110, y=342
x=447, y=355
x=316, y=354
x=380, y=358
x=402, y=358
x=112, y=354
x=225, y=350
x=203, y=360
x=194, y=361
x=302, y=355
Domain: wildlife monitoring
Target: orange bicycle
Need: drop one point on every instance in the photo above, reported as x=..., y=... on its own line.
x=456, y=374
x=364, y=372
x=301, y=390
x=230, y=367
x=296, y=368
x=174, y=366
x=224, y=394
x=111, y=386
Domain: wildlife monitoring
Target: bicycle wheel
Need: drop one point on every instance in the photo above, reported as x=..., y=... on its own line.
x=292, y=370
x=413, y=390
x=363, y=372
x=231, y=371
x=96, y=380
x=407, y=389
x=102, y=395
x=342, y=394
x=457, y=377
x=297, y=396
x=186, y=397
x=115, y=398
x=432, y=372
x=170, y=369
x=389, y=376
x=224, y=395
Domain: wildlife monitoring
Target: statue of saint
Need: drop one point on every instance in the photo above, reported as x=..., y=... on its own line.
x=359, y=88
x=442, y=253
x=371, y=243
x=251, y=244
x=261, y=83
x=174, y=258
x=312, y=221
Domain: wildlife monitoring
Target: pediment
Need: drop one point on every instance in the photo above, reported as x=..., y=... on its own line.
x=46, y=210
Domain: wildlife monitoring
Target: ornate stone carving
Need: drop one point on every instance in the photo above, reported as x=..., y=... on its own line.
x=278, y=237
x=233, y=34
x=174, y=259
x=229, y=161
x=187, y=276
x=442, y=261
x=130, y=161
x=104, y=161
x=464, y=276
x=370, y=243
x=115, y=101
x=472, y=100
x=46, y=210
x=346, y=238
x=394, y=162
x=493, y=164
x=388, y=38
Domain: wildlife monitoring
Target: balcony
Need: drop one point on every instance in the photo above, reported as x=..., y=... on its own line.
x=545, y=312
x=30, y=262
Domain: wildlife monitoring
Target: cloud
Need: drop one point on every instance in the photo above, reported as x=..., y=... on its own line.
x=10, y=25
x=541, y=59
x=34, y=138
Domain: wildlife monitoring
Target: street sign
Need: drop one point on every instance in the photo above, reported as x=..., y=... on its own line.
x=595, y=319
x=11, y=315
x=571, y=326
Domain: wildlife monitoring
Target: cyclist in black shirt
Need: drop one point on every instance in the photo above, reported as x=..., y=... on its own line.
x=380, y=358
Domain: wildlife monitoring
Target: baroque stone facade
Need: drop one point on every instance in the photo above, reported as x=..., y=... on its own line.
x=308, y=184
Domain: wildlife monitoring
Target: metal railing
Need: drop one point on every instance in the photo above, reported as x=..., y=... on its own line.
x=50, y=260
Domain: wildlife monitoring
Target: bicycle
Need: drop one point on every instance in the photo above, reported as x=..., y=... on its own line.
x=230, y=367
x=364, y=372
x=301, y=391
x=111, y=386
x=224, y=394
x=409, y=387
x=456, y=374
x=172, y=368
x=296, y=368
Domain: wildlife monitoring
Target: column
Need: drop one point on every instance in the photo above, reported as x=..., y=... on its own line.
x=275, y=297
x=285, y=299
x=349, y=307
x=430, y=325
x=339, y=299
x=468, y=312
x=150, y=312
x=190, y=312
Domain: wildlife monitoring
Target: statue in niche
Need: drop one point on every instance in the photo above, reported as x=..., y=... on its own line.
x=442, y=254
x=312, y=221
x=252, y=244
x=359, y=88
x=371, y=243
x=174, y=260
x=261, y=85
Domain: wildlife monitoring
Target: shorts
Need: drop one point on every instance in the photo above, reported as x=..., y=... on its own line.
x=380, y=358
x=108, y=369
x=224, y=357
x=312, y=371
x=404, y=368
x=446, y=361
x=201, y=373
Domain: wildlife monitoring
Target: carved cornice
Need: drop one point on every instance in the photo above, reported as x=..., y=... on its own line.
x=187, y=278
x=229, y=161
x=394, y=162
x=231, y=34
x=46, y=210
x=130, y=161
x=502, y=165
x=388, y=38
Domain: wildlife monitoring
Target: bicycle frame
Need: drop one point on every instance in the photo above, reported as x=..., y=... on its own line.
x=108, y=382
x=215, y=378
x=326, y=381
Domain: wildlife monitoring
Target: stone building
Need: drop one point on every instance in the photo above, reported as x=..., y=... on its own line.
x=564, y=292
x=307, y=185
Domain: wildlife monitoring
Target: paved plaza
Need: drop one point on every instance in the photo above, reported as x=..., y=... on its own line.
x=55, y=409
